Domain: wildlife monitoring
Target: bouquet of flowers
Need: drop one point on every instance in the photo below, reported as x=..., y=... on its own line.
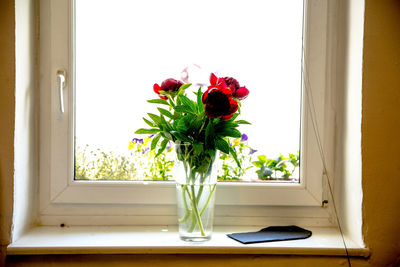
x=199, y=128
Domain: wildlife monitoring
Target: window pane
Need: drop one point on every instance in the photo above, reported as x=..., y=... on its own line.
x=123, y=47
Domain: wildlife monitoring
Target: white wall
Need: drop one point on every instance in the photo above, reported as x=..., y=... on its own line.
x=351, y=33
x=26, y=158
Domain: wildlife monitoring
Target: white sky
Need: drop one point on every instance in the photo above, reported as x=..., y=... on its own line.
x=123, y=47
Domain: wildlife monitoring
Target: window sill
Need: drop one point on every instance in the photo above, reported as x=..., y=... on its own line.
x=165, y=240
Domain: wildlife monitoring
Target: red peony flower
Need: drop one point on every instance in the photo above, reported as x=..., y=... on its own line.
x=218, y=102
x=214, y=80
x=237, y=91
x=168, y=86
x=232, y=83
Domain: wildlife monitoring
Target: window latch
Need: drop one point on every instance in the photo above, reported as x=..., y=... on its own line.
x=61, y=82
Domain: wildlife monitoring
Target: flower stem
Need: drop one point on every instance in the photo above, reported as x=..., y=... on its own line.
x=204, y=123
x=199, y=193
x=208, y=199
x=187, y=210
x=196, y=211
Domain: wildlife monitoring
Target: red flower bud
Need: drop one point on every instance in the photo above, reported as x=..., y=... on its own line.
x=241, y=93
x=157, y=90
x=168, y=86
x=171, y=85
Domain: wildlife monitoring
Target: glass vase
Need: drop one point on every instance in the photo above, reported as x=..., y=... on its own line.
x=196, y=181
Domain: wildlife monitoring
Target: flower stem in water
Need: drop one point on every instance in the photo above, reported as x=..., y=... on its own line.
x=196, y=211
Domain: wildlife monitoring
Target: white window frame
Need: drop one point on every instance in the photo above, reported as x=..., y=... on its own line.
x=64, y=200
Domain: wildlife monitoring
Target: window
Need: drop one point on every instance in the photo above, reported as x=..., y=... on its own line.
x=63, y=195
x=190, y=43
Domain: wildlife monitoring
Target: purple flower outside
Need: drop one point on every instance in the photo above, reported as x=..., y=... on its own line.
x=137, y=140
x=169, y=145
x=147, y=149
x=244, y=137
x=252, y=151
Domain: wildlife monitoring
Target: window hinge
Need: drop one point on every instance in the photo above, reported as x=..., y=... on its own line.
x=325, y=190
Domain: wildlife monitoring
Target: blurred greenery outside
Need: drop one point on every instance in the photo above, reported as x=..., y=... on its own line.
x=140, y=163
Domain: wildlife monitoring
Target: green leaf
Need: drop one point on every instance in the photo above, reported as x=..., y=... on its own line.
x=158, y=101
x=187, y=102
x=229, y=132
x=225, y=124
x=235, y=115
x=155, y=118
x=200, y=105
x=191, y=124
x=210, y=135
x=155, y=141
x=178, y=101
x=165, y=125
x=180, y=136
x=184, y=87
x=262, y=158
x=258, y=164
x=198, y=147
x=180, y=125
x=162, y=147
x=147, y=131
x=165, y=113
x=197, y=123
x=183, y=108
x=271, y=163
x=167, y=135
x=222, y=145
x=171, y=102
x=233, y=153
x=149, y=122
x=242, y=122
